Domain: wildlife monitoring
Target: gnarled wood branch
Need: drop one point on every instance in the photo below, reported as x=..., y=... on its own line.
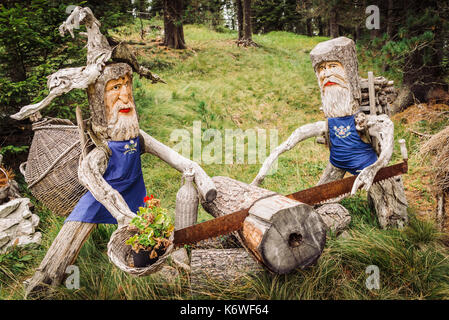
x=206, y=186
x=64, y=80
x=300, y=134
x=90, y=173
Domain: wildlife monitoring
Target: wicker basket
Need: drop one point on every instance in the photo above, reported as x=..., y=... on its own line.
x=52, y=166
x=120, y=253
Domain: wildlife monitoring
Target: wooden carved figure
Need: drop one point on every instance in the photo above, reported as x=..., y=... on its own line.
x=111, y=171
x=360, y=144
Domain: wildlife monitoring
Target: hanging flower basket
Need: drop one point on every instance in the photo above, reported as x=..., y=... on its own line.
x=142, y=247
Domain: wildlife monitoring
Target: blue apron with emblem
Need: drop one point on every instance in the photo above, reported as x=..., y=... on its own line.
x=347, y=150
x=124, y=174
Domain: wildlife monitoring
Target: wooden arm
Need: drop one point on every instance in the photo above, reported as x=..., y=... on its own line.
x=206, y=186
x=300, y=134
x=90, y=174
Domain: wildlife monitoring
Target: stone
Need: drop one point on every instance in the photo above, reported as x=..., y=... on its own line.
x=7, y=223
x=35, y=220
x=9, y=207
x=335, y=216
x=27, y=239
x=18, y=224
x=4, y=238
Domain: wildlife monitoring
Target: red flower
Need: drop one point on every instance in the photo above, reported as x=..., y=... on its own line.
x=147, y=198
x=151, y=197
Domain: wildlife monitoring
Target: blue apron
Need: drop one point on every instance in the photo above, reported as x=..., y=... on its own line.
x=124, y=174
x=347, y=150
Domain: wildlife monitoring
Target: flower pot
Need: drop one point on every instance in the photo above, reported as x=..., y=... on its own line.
x=142, y=258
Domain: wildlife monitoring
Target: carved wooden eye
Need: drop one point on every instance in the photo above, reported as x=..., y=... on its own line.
x=116, y=87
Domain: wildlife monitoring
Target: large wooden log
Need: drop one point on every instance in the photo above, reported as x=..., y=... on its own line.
x=281, y=233
x=210, y=266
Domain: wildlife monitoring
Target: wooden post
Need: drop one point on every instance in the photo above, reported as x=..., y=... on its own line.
x=79, y=120
x=281, y=233
x=372, y=94
x=62, y=253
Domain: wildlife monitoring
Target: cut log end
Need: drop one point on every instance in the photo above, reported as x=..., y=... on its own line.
x=293, y=238
x=281, y=233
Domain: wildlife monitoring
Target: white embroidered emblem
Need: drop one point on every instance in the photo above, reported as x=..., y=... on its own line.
x=342, y=131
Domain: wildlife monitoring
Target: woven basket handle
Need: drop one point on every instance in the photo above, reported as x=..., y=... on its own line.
x=22, y=168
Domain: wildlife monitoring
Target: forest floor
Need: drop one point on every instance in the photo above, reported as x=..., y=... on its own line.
x=271, y=87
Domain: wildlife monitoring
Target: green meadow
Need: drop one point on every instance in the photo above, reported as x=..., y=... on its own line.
x=271, y=87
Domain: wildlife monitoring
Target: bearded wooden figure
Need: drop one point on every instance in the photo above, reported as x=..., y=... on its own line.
x=360, y=144
x=111, y=171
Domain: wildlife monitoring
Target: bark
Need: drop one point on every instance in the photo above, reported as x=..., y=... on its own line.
x=320, y=27
x=333, y=24
x=335, y=216
x=281, y=233
x=404, y=99
x=209, y=266
x=309, y=27
x=239, y=8
x=173, y=29
x=247, y=39
x=247, y=30
x=62, y=253
x=388, y=200
x=390, y=18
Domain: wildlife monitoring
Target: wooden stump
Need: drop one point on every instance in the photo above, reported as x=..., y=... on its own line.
x=388, y=199
x=281, y=233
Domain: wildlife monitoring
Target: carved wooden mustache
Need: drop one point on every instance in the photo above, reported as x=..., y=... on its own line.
x=116, y=110
x=334, y=79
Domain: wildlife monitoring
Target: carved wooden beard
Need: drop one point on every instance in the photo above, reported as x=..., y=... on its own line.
x=122, y=127
x=335, y=92
x=336, y=100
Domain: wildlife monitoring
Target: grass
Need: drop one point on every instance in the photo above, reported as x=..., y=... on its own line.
x=270, y=87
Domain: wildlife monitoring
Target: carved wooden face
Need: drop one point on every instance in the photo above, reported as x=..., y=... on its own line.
x=121, y=112
x=335, y=92
x=118, y=98
x=331, y=73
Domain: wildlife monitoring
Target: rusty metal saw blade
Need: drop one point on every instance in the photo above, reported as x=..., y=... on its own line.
x=211, y=228
x=334, y=189
x=234, y=221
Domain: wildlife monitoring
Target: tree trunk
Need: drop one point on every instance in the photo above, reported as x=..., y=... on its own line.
x=247, y=39
x=173, y=29
x=247, y=30
x=333, y=25
x=309, y=27
x=390, y=18
x=320, y=27
x=281, y=233
x=239, y=8
x=388, y=199
x=62, y=253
